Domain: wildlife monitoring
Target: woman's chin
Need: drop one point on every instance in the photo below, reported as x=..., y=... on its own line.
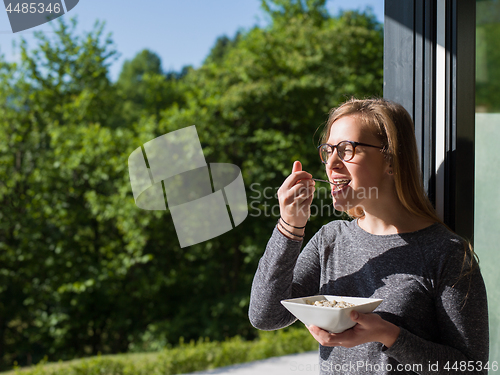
x=341, y=205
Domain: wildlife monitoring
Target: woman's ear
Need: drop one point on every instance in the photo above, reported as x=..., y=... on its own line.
x=389, y=169
x=388, y=161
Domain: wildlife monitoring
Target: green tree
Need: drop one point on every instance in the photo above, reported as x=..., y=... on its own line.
x=69, y=231
x=82, y=269
x=145, y=88
x=222, y=46
x=487, y=70
x=284, y=10
x=259, y=106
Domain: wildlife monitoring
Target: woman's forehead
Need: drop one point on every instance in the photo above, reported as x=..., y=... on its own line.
x=350, y=126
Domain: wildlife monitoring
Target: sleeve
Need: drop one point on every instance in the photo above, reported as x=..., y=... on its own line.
x=283, y=272
x=462, y=313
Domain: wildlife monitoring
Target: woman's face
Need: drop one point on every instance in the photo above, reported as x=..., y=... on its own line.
x=364, y=179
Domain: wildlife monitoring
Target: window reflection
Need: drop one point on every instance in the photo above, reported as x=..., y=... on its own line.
x=488, y=56
x=487, y=159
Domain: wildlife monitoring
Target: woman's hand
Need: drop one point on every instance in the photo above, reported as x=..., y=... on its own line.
x=369, y=328
x=295, y=196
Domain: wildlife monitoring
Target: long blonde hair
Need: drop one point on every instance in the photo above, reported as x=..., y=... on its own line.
x=393, y=125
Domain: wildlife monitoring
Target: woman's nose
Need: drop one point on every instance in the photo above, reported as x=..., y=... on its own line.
x=334, y=160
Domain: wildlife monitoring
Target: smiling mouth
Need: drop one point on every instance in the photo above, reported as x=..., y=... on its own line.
x=339, y=184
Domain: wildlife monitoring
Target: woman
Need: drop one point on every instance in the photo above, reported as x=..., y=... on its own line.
x=433, y=318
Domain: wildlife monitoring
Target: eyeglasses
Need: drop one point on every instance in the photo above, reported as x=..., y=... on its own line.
x=345, y=150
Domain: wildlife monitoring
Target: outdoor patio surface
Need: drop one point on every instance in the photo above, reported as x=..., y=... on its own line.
x=303, y=363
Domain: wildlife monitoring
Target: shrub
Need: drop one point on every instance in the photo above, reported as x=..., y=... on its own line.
x=184, y=358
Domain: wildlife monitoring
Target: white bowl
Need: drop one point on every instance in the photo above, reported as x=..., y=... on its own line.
x=331, y=319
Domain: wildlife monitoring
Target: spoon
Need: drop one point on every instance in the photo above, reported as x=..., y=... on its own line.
x=317, y=179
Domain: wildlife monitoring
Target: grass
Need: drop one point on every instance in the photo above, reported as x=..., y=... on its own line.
x=184, y=358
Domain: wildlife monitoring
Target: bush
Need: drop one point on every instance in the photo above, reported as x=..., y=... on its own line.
x=186, y=357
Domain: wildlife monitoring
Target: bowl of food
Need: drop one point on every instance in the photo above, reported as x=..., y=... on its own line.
x=331, y=313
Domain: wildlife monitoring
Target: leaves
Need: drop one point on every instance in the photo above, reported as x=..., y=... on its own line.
x=82, y=269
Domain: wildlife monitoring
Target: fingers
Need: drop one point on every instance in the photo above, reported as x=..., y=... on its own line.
x=297, y=166
x=347, y=339
x=370, y=327
x=366, y=320
x=302, y=190
x=325, y=338
x=355, y=316
x=296, y=201
x=295, y=196
x=297, y=181
x=297, y=176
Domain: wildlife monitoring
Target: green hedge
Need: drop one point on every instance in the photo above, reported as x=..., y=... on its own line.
x=184, y=358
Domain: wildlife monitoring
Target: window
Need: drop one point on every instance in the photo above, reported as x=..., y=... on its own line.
x=487, y=159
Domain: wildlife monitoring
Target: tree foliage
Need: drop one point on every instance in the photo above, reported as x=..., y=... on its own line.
x=284, y=10
x=144, y=88
x=82, y=269
x=67, y=228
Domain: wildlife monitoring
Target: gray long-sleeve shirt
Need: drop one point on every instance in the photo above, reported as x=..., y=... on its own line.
x=443, y=317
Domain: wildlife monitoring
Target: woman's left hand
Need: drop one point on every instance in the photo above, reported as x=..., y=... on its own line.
x=369, y=328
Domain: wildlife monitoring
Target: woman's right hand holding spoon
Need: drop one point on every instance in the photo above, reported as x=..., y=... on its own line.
x=295, y=196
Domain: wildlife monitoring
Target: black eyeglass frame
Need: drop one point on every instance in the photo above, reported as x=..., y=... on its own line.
x=353, y=144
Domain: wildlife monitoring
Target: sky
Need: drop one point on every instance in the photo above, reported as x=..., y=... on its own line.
x=180, y=32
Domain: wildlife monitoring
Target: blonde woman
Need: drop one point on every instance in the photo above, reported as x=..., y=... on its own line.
x=434, y=315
